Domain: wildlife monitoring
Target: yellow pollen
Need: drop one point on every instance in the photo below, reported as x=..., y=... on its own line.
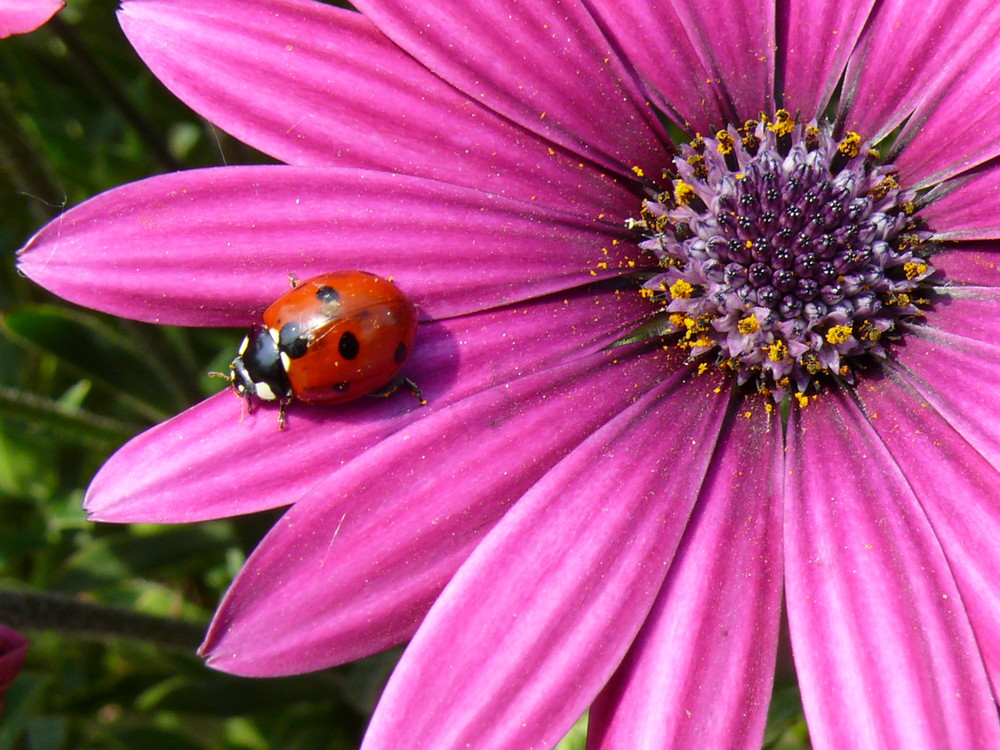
x=697, y=162
x=702, y=368
x=914, y=268
x=839, y=334
x=683, y=192
x=647, y=293
x=725, y=142
x=678, y=321
x=638, y=171
x=883, y=188
x=869, y=332
x=680, y=289
x=783, y=123
x=803, y=400
x=851, y=145
x=748, y=325
x=777, y=351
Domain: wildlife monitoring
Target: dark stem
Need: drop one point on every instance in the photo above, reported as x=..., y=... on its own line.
x=31, y=610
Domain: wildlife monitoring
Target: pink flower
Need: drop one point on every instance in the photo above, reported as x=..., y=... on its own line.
x=13, y=647
x=22, y=16
x=565, y=524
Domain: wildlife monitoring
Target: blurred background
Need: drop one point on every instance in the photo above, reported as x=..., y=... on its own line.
x=79, y=114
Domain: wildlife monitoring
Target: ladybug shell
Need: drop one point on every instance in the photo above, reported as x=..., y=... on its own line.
x=342, y=335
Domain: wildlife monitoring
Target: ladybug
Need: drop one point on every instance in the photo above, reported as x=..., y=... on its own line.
x=333, y=338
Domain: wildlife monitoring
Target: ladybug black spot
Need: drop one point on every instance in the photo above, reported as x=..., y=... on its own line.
x=328, y=295
x=400, y=354
x=348, y=346
x=292, y=340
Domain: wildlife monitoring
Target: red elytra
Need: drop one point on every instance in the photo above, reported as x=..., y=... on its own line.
x=330, y=339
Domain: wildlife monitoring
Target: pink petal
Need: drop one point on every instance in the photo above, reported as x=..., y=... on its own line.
x=972, y=312
x=657, y=44
x=966, y=517
x=13, y=647
x=216, y=246
x=904, y=53
x=701, y=670
x=354, y=565
x=814, y=43
x=883, y=647
x=22, y=16
x=209, y=462
x=320, y=86
x=957, y=376
x=954, y=125
x=973, y=263
x=968, y=207
x=545, y=65
x=538, y=618
x=735, y=43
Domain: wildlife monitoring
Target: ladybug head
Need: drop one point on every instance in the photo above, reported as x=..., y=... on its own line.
x=258, y=369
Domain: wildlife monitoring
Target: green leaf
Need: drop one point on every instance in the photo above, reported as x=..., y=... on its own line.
x=124, y=554
x=23, y=701
x=64, y=422
x=96, y=350
x=153, y=738
x=786, y=724
x=223, y=695
x=27, y=464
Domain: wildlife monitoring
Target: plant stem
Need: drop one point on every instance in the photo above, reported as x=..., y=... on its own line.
x=32, y=610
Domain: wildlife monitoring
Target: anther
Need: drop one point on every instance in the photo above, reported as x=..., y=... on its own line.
x=849, y=147
x=783, y=126
x=727, y=147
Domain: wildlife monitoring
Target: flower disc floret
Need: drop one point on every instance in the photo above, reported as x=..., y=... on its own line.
x=791, y=254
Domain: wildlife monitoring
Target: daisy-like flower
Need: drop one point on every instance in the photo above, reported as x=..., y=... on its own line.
x=710, y=325
x=13, y=648
x=22, y=16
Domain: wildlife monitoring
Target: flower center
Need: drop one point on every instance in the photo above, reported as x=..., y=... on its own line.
x=790, y=255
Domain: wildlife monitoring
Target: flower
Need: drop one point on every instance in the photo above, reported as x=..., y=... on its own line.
x=606, y=502
x=13, y=647
x=22, y=16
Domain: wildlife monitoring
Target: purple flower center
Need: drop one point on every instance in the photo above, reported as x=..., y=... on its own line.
x=789, y=255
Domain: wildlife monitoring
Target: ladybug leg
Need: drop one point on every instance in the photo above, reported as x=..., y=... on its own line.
x=292, y=281
x=283, y=412
x=400, y=382
x=246, y=404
